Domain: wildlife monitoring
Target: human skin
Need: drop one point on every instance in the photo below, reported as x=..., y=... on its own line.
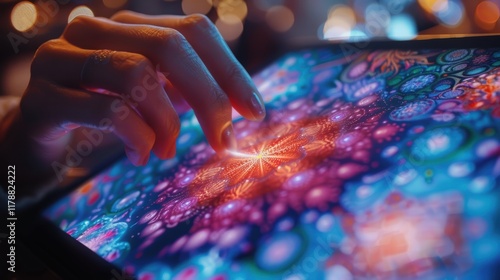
x=87, y=77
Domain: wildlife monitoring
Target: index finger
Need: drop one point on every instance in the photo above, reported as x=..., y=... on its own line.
x=210, y=46
x=175, y=56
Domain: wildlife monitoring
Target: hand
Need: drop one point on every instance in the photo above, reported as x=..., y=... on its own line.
x=127, y=74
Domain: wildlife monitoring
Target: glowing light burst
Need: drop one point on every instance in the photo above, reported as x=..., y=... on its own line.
x=269, y=156
x=258, y=161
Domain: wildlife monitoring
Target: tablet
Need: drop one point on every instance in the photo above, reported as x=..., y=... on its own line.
x=374, y=161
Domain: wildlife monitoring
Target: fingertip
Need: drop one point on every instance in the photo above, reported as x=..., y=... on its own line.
x=228, y=138
x=172, y=151
x=166, y=153
x=135, y=157
x=160, y=151
x=145, y=160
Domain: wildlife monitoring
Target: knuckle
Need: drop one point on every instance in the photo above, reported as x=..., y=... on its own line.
x=233, y=72
x=198, y=22
x=133, y=67
x=83, y=25
x=47, y=47
x=170, y=39
x=121, y=15
x=78, y=23
x=44, y=54
x=220, y=100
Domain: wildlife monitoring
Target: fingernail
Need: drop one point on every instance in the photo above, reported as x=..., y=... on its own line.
x=228, y=139
x=258, y=109
x=135, y=157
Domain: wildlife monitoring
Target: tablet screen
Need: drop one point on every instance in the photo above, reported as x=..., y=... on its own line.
x=369, y=164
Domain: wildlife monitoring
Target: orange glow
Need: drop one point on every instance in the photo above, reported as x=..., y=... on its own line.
x=239, y=172
x=487, y=14
x=205, y=193
x=258, y=161
x=267, y=158
x=87, y=187
x=264, y=161
x=392, y=60
x=23, y=16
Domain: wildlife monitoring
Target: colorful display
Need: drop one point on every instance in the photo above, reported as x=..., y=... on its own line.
x=374, y=164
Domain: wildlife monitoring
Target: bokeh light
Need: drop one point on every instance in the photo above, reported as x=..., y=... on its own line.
x=402, y=27
x=486, y=14
x=230, y=28
x=377, y=19
x=434, y=6
x=196, y=6
x=228, y=9
x=23, y=16
x=114, y=4
x=280, y=18
x=341, y=19
x=80, y=11
x=452, y=15
x=267, y=4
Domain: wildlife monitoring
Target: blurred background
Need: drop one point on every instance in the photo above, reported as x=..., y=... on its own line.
x=255, y=30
